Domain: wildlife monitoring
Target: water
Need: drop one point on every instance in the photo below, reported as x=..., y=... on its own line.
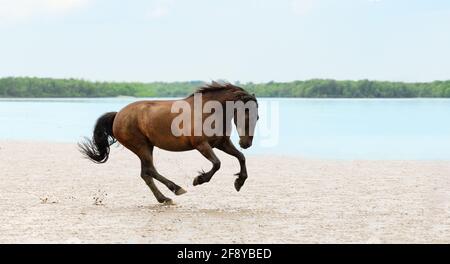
x=417, y=129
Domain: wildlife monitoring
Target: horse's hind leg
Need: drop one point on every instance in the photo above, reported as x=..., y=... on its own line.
x=177, y=190
x=146, y=176
x=148, y=168
x=148, y=173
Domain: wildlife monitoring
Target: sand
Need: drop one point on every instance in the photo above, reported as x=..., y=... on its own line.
x=49, y=194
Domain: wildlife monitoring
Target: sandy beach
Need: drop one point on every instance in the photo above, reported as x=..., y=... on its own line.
x=49, y=194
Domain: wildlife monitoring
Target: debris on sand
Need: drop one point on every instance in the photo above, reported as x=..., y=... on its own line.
x=100, y=197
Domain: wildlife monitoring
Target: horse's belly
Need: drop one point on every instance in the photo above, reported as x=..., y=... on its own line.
x=172, y=144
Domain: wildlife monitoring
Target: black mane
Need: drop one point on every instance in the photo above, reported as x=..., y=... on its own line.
x=231, y=91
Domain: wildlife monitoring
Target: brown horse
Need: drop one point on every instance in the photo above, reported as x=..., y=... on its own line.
x=143, y=125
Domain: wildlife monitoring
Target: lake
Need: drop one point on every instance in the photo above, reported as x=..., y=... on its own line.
x=413, y=129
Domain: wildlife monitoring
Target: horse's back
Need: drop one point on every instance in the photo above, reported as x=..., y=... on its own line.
x=149, y=121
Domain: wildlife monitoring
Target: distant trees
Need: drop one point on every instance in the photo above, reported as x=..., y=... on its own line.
x=316, y=88
x=351, y=89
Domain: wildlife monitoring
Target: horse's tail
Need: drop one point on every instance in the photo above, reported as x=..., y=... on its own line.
x=97, y=149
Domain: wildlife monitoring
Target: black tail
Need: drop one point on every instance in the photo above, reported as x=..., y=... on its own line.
x=97, y=149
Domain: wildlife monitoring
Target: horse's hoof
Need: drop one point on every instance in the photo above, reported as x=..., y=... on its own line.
x=180, y=191
x=168, y=202
x=197, y=181
x=238, y=183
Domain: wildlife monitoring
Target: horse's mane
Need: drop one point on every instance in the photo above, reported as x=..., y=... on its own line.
x=227, y=90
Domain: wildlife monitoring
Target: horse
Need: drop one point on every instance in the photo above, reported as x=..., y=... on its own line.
x=143, y=125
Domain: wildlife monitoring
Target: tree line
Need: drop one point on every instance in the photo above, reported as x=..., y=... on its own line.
x=316, y=88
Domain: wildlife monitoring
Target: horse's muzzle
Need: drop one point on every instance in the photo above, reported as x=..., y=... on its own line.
x=245, y=145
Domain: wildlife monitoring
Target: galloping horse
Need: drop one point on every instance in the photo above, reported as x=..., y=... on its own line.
x=143, y=125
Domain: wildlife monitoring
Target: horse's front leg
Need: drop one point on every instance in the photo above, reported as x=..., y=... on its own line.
x=208, y=152
x=228, y=147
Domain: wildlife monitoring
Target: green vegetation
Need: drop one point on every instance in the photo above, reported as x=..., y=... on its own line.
x=45, y=87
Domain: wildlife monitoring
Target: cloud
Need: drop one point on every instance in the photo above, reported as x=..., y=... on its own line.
x=158, y=12
x=302, y=7
x=160, y=8
x=13, y=10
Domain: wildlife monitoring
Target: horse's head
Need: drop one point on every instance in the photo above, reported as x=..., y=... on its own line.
x=245, y=118
x=238, y=104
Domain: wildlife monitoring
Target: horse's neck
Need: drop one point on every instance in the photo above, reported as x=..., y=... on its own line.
x=219, y=97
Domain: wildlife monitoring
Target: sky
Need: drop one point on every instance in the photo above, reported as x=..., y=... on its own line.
x=234, y=40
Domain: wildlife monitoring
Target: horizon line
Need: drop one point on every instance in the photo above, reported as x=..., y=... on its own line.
x=221, y=80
